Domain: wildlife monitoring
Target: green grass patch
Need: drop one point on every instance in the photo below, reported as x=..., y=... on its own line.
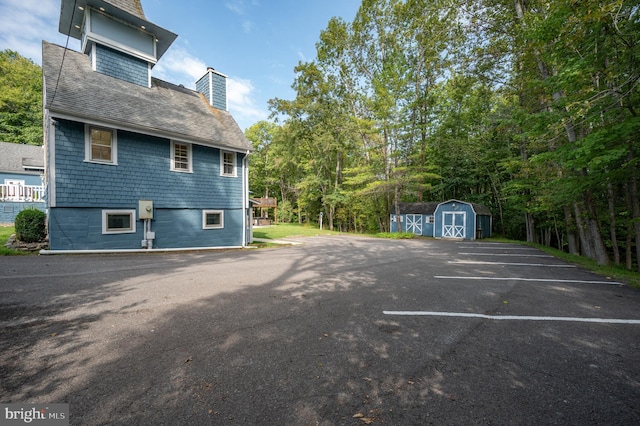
x=396, y=235
x=284, y=230
x=615, y=272
x=5, y=233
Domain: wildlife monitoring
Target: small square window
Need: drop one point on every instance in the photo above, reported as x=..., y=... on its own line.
x=100, y=145
x=228, y=163
x=181, y=157
x=212, y=219
x=118, y=221
x=430, y=219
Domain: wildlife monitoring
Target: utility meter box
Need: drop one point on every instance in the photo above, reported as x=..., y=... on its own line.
x=145, y=209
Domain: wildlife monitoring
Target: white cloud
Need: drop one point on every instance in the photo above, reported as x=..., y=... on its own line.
x=242, y=105
x=178, y=66
x=236, y=6
x=247, y=26
x=25, y=23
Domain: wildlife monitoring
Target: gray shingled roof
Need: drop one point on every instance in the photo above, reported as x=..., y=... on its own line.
x=429, y=207
x=133, y=7
x=416, y=208
x=163, y=110
x=19, y=158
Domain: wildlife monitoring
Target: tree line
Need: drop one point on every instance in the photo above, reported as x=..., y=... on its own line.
x=20, y=99
x=529, y=107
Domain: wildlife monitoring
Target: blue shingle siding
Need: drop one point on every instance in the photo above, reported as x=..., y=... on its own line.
x=143, y=172
x=214, y=85
x=9, y=210
x=219, y=92
x=202, y=86
x=28, y=179
x=84, y=189
x=81, y=229
x=122, y=66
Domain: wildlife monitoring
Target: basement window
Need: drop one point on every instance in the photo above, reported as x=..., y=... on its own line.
x=118, y=221
x=212, y=219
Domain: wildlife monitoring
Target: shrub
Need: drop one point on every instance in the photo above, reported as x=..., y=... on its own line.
x=30, y=225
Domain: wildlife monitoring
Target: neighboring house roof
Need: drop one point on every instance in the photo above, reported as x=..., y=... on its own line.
x=20, y=158
x=164, y=110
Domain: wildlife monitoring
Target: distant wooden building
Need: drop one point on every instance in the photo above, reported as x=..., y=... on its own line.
x=263, y=205
x=451, y=219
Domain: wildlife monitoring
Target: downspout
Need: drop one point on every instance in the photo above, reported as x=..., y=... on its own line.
x=245, y=197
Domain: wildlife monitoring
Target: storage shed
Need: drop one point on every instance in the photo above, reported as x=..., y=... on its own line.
x=450, y=219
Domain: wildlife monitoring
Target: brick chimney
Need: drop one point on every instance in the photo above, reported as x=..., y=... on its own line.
x=213, y=85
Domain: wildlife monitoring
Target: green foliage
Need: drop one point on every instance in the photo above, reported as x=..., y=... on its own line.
x=5, y=233
x=30, y=225
x=20, y=99
x=285, y=230
x=529, y=107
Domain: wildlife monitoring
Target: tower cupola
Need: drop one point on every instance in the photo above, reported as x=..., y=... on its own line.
x=117, y=36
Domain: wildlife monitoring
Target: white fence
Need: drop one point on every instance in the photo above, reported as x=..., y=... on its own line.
x=22, y=193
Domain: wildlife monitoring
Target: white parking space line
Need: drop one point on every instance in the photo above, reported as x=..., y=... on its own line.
x=545, y=280
x=511, y=317
x=478, y=262
x=506, y=254
x=498, y=248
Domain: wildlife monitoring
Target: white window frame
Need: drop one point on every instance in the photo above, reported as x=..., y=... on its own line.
x=204, y=219
x=189, y=168
x=235, y=164
x=105, y=222
x=87, y=145
x=431, y=219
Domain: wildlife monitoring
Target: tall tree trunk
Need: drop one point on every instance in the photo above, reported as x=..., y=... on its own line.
x=585, y=244
x=635, y=205
x=612, y=224
x=572, y=238
x=531, y=228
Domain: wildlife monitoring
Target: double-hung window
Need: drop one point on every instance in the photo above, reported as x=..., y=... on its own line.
x=181, y=157
x=228, y=163
x=101, y=145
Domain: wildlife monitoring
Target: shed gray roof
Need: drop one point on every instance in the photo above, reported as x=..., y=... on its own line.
x=19, y=158
x=416, y=208
x=164, y=110
x=430, y=207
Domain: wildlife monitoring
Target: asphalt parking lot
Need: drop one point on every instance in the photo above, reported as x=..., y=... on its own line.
x=336, y=331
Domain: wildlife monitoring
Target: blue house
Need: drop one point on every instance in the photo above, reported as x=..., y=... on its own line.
x=134, y=162
x=450, y=219
x=21, y=179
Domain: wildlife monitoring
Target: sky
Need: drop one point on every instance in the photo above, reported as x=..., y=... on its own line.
x=256, y=43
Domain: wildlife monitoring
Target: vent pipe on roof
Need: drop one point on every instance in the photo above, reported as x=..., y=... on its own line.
x=213, y=85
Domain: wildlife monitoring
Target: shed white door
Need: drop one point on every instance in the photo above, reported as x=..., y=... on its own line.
x=453, y=224
x=414, y=223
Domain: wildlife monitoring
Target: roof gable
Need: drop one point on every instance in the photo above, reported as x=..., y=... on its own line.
x=478, y=208
x=164, y=110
